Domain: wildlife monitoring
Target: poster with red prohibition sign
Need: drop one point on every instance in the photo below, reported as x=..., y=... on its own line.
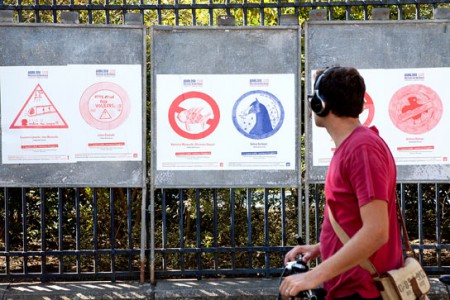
x=410, y=108
x=225, y=122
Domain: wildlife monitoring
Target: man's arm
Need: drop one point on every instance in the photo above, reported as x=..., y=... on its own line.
x=373, y=234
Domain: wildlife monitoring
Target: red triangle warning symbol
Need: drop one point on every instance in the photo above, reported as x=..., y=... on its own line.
x=38, y=112
x=105, y=115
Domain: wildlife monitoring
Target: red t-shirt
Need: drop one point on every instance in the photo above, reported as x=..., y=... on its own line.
x=362, y=169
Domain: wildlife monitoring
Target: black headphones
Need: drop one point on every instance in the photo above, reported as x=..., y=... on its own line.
x=317, y=103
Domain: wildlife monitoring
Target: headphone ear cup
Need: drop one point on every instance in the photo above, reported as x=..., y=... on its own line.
x=318, y=106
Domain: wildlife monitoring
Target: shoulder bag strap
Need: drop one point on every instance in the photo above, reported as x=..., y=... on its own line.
x=343, y=236
x=406, y=243
x=366, y=264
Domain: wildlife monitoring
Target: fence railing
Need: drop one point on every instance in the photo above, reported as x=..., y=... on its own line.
x=208, y=12
x=87, y=233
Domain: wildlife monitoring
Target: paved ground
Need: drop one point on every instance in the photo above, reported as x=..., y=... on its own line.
x=236, y=289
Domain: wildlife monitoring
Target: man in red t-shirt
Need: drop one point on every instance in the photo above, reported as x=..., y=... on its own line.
x=360, y=191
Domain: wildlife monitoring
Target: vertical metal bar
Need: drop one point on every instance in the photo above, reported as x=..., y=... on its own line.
x=420, y=209
x=24, y=230
x=164, y=227
x=177, y=13
x=152, y=232
x=266, y=232
x=60, y=231
x=124, y=11
x=7, y=244
x=232, y=241
x=194, y=14
x=438, y=224
x=129, y=230
x=77, y=229
x=307, y=221
x=279, y=12
x=249, y=226
x=402, y=199
x=402, y=203
x=181, y=223
x=216, y=261
x=300, y=212
x=95, y=229
x=283, y=217
x=89, y=9
x=330, y=10
x=19, y=11
x=261, y=13
x=198, y=230
x=211, y=13
x=159, y=19
x=244, y=12
x=107, y=17
x=36, y=12
x=348, y=12
x=316, y=217
x=55, y=15
x=43, y=236
x=400, y=12
x=112, y=234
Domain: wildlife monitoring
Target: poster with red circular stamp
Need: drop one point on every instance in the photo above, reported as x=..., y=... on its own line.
x=368, y=112
x=104, y=105
x=415, y=109
x=194, y=115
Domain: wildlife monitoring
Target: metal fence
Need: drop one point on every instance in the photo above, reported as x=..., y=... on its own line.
x=95, y=233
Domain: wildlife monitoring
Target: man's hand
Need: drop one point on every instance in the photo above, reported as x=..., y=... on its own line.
x=309, y=252
x=292, y=285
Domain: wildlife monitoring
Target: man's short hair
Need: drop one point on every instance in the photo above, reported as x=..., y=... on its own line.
x=343, y=89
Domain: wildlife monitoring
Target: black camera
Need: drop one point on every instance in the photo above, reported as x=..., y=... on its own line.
x=299, y=266
x=295, y=267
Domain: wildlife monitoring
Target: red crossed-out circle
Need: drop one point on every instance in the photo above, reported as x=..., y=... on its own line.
x=176, y=108
x=370, y=107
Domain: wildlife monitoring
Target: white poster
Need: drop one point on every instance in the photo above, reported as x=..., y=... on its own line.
x=109, y=112
x=410, y=109
x=226, y=122
x=58, y=114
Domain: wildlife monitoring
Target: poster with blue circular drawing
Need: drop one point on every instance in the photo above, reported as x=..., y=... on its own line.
x=258, y=114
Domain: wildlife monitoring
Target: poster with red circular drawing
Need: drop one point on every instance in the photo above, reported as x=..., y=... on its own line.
x=104, y=105
x=194, y=115
x=415, y=109
x=368, y=112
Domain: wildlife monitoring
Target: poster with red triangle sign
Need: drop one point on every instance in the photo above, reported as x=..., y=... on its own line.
x=38, y=112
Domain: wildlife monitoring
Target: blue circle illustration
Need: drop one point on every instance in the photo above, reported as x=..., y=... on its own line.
x=258, y=114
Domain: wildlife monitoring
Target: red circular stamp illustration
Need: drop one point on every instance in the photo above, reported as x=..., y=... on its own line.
x=105, y=105
x=368, y=112
x=415, y=109
x=194, y=115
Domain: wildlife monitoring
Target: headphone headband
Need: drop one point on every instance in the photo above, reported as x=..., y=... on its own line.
x=317, y=103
